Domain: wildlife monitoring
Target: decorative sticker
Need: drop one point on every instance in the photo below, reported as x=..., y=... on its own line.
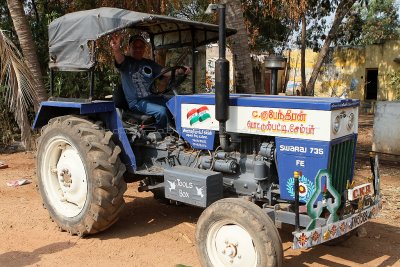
x=342, y=228
x=326, y=234
x=199, y=191
x=199, y=138
x=302, y=239
x=306, y=188
x=306, y=239
x=283, y=122
x=193, y=116
x=315, y=237
x=181, y=188
x=333, y=229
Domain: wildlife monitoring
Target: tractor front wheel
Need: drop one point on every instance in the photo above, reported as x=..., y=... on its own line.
x=80, y=175
x=236, y=232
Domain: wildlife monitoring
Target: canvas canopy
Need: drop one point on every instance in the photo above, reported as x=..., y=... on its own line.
x=70, y=35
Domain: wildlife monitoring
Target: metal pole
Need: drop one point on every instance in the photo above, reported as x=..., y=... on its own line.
x=51, y=82
x=92, y=71
x=193, y=62
x=274, y=81
x=222, y=31
x=222, y=73
x=296, y=201
x=153, y=52
x=275, y=63
x=91, y=84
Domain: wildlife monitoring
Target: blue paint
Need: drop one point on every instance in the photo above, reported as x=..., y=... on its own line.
x=106, y=110
x=306, y=156
x=114, y=123
x=198, y=138
x=174, y=106
x=52, y=109
x=272, y=101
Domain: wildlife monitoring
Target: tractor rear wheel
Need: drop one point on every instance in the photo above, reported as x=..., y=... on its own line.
x=236, y=232
x=80, y=175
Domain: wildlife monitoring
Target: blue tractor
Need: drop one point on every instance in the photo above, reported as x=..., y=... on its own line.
x=253, y=162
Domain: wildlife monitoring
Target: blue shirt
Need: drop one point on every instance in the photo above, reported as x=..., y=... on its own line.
x=136, y=77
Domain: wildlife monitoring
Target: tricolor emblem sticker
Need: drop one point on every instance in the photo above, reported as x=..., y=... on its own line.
x=193, y=116
x=198, y=115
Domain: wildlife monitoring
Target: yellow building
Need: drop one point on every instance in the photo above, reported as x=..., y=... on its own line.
x=367, y=69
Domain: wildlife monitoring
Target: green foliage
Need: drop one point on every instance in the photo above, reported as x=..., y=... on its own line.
x=371, y=24
x=191, y=10
x=267, y=32
x=77, y=84
x=350, y=32
x=394, y=81
x=381, y=22
x=317, y=22
x=7, y=122
x=6, y=23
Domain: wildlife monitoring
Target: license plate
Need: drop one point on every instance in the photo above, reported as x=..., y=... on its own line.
x=359, y=191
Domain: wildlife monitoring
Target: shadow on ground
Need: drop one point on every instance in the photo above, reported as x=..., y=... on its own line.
x=145, y=215
x=24, y=258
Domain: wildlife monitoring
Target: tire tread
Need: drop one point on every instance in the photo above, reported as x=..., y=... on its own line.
x=108, y=185
x=249, y=216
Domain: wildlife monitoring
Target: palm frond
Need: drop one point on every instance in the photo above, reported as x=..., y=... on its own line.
x=19, y=83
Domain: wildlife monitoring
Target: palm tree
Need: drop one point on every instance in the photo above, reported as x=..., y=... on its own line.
x=18, y=79
x=240, y=47
x=28, y=46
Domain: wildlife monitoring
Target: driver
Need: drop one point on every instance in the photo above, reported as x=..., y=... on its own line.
x=137, y=74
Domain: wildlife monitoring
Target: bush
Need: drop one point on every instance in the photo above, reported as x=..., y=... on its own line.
x=394, y=81
x=8, y=123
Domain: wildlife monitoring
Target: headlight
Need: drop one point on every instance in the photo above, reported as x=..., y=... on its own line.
x=350, y=121
x=336, y=124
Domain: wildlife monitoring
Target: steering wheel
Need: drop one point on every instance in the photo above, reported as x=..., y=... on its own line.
x=174, y=80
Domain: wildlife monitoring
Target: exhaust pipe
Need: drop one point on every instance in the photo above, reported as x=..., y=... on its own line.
x=222, y=86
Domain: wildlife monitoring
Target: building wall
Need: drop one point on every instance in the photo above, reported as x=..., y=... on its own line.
x=347, y=64
x=386, y=136
x=382, y=56
x=294, y=59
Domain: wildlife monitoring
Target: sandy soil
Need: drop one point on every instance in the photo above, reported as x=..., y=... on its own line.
x=153, y=234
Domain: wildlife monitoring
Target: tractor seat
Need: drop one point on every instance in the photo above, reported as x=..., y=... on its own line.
x=125, y=113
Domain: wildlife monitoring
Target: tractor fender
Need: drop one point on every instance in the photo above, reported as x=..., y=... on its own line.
x=109, y=116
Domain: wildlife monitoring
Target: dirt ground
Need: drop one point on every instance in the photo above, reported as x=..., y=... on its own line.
x=153, y=234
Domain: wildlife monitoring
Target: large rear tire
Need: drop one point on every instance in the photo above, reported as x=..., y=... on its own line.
x=80, y=175
x=236, y=232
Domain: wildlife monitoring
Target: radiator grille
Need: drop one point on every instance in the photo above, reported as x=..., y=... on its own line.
x=341, y=163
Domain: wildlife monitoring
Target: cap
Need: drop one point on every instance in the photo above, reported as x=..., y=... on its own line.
x=137, y=37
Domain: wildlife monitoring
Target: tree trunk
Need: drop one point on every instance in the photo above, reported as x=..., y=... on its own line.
x=27, y=45
x=303, y=54
x=244, y=80
x=287, y=70
x=342, y=9
x=24, y=124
